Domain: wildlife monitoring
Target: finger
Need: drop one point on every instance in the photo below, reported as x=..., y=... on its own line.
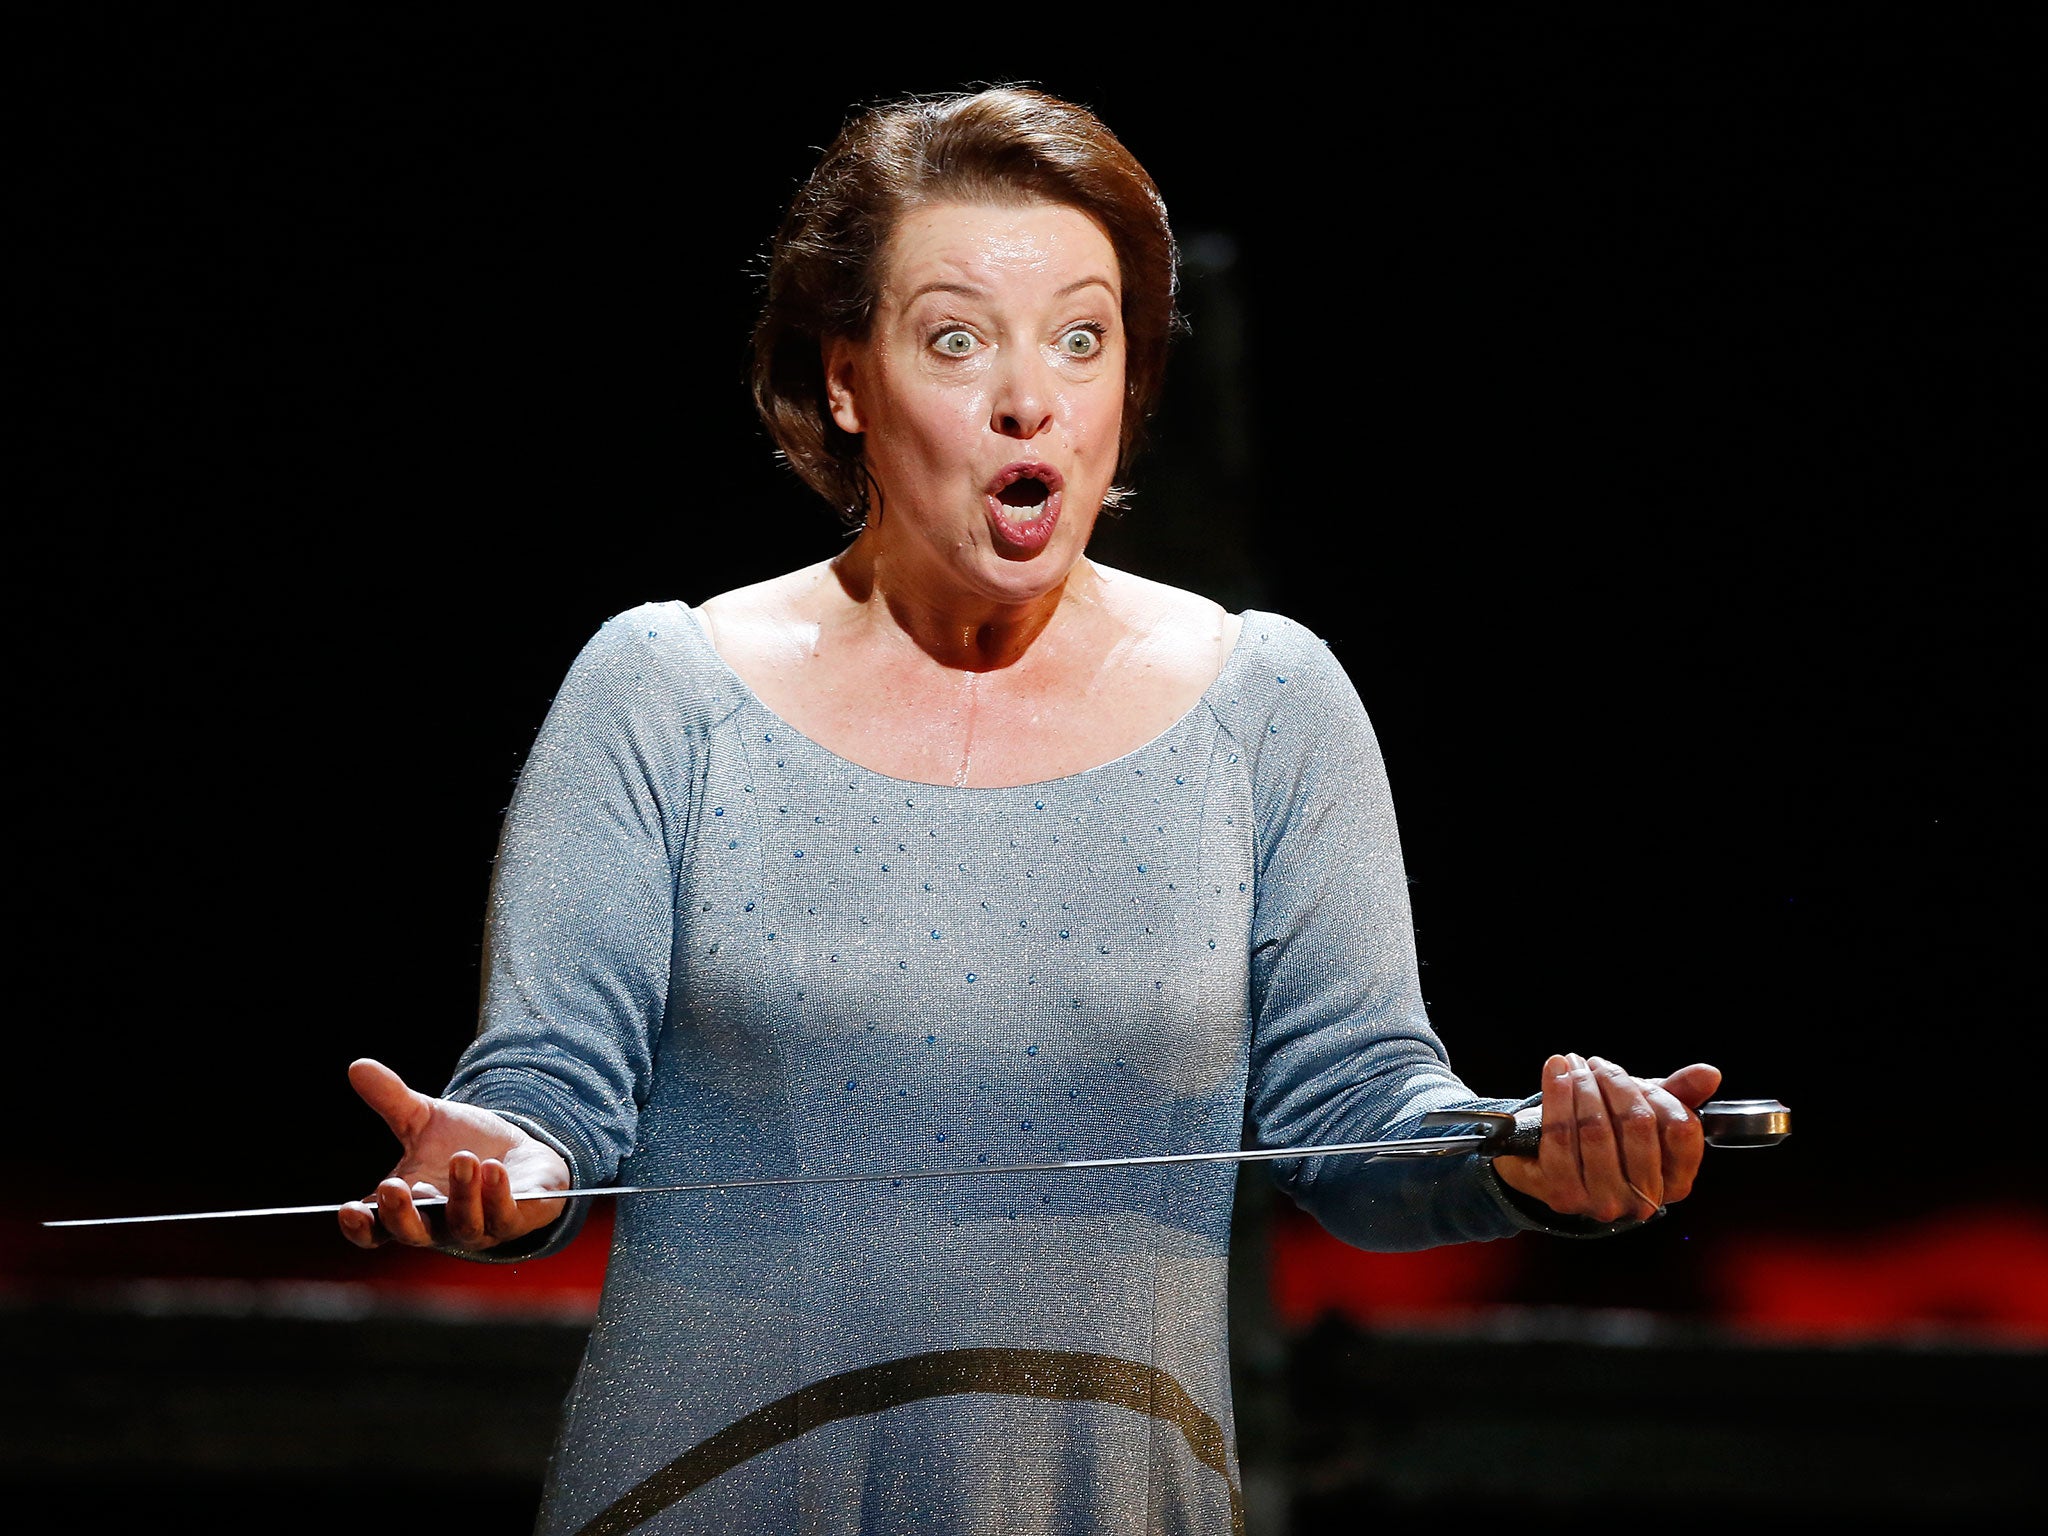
x=1683, y=1138
x=1692, y=1086
x=504, y=1217
x=1559, y=1153
x=404, y=1110
x=1599, y=1151
x=464, y=1212
x=397, y=1214
x=359, y=1224
x=1641, y=1144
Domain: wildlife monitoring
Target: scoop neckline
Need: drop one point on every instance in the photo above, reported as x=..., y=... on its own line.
x=1180, y=721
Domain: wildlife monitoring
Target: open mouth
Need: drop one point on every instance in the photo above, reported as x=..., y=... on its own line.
x=1024, y=507
x=1026, y=498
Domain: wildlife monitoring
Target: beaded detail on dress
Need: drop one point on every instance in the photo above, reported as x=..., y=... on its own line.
x=719, y=950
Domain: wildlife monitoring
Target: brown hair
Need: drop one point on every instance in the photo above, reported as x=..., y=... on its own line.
x=993, y=147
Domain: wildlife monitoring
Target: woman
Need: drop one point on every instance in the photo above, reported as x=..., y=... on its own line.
x=956, y=849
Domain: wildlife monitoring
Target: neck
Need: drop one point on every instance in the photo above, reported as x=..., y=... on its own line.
x=960, y=630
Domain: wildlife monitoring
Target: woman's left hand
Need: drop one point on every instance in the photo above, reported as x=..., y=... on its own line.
x=1613, y=1145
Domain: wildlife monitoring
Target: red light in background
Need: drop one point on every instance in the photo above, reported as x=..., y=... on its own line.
x=571, y=1280
x=1982, y=1274
x=1983, y=1270
x=1313, y=1273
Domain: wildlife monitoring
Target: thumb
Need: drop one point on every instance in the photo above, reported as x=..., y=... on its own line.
x=405, y=1111
x=1692, y=1086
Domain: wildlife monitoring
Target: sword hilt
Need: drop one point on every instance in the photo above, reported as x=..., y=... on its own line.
x=1728, y=1123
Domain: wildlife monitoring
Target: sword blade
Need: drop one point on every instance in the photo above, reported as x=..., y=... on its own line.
x=1412, y=1146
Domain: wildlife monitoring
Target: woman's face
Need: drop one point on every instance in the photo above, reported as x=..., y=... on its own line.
x=989, y=394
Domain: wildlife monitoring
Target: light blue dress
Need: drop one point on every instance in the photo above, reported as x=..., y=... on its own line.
x=718, y=950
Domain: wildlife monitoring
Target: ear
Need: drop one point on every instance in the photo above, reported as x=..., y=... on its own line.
x=841, y=358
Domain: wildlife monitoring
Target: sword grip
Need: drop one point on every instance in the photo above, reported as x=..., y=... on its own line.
x=1525, y=1140
x=1727, y=1122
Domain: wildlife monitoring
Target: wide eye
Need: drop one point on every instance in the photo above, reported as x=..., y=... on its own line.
x=955, y=343
x=1081, y=341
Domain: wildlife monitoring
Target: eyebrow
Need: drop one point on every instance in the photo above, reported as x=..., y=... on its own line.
x=1076, y=287
x=975, y=291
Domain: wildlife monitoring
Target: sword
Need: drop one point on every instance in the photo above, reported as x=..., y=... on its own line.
x=1727, y=1123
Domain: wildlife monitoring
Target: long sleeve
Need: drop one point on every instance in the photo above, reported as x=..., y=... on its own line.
x=1341, y=1047
x=581, y=916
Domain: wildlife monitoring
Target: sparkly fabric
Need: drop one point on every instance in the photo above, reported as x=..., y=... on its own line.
x=717, y=949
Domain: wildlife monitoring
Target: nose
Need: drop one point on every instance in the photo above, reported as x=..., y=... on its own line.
x=1021, y=404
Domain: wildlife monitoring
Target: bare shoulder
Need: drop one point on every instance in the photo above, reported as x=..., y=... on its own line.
x=758, y=622
x=1178, y=631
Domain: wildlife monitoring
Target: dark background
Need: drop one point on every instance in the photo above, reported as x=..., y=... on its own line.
x=1646, y=411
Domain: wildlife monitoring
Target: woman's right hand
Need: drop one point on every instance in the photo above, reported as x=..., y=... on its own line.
x=475, y=1158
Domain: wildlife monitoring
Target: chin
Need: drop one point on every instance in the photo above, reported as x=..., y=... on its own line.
x=1020, y=581
x=1042, y=570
